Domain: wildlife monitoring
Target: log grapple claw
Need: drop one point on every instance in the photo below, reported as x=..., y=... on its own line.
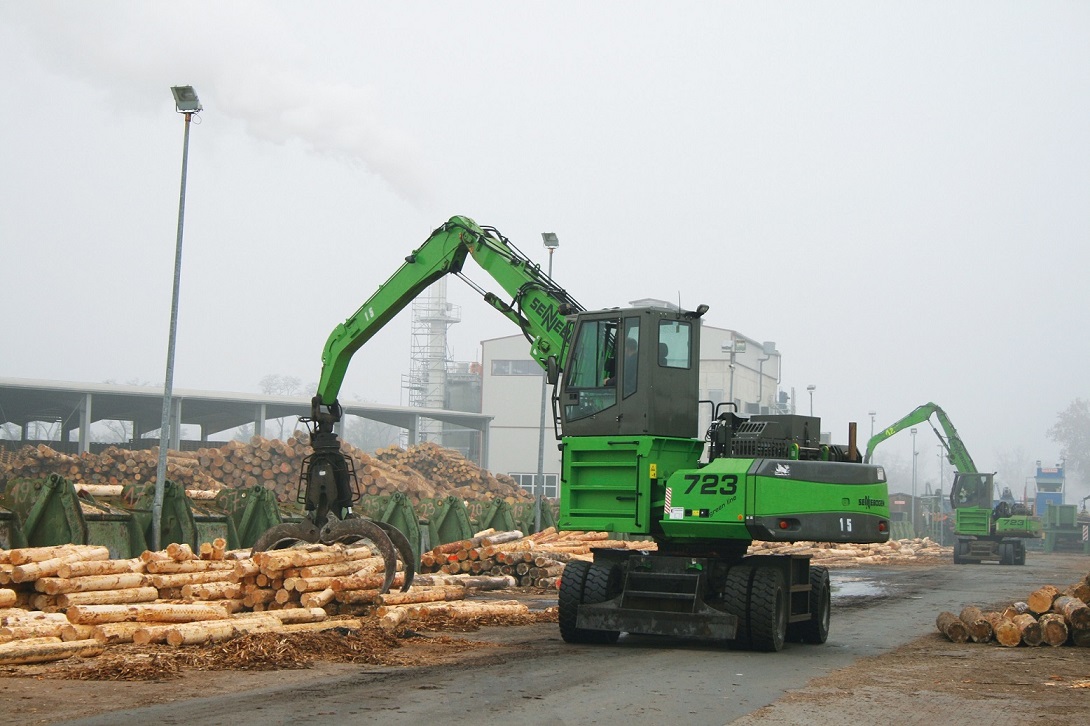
x=354, y=530
x=283, y=536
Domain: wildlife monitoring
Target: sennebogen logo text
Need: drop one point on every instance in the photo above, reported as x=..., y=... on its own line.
x=868, y=502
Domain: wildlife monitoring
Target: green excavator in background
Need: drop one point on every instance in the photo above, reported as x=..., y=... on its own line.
x=984, y=528
x=626, y=409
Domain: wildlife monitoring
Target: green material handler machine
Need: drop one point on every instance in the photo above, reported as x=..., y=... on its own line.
x=983, y=529
x=626, y=412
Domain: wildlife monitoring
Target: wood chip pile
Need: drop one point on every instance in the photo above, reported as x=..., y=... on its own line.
x=1049, y=616
x=424, y=471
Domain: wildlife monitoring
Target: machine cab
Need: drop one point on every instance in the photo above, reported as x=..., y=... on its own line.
x=632, y=371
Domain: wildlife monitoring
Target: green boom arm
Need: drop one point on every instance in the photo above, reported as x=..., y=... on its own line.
x=956, y=453
x=538, y=306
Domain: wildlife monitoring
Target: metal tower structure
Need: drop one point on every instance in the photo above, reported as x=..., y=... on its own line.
x=429, y=357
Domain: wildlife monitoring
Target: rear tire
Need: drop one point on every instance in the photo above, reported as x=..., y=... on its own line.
x=768, y=610
x=1006, y=553
x=1019, y=553
x=736, y=601
x=816, y=629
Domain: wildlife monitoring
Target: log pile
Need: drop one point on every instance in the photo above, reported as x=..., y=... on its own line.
x=536, y=560
x=424, y=471
x=464, y=478
x=1049, y=616
x=114, y=466
x=71, y=600
x=832, y=554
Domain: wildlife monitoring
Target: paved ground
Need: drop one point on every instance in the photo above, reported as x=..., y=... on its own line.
x=883, y=662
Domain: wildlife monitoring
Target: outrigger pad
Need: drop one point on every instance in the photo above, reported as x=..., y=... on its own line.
x=352, y=530
x=283, y=536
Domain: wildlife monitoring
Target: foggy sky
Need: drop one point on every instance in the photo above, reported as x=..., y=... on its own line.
x=897, y=194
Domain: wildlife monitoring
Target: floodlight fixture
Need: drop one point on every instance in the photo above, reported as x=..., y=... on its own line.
x=185, y=99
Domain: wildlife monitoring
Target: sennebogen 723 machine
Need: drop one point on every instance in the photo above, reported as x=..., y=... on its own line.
x=626, y=410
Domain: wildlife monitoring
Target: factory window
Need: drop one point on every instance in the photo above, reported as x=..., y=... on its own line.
x=516, y=368
x=527, y=482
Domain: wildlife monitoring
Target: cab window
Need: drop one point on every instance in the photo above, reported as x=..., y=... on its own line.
x=592, y=369
x=675, y=344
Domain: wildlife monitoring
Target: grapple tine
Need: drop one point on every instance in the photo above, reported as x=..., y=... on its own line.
x=356, y=529
x=405, y=550
x=285, y=535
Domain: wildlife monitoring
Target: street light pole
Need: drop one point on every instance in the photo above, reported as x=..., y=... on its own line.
x=811, y=388
x=551, y=242
x=914, y=453
x=186, y=102
x=872, y=414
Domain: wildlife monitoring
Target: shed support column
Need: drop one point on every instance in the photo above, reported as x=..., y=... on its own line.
x=259, y=420
x=85, y=424
x=176, y=424
x=485, y=435
x=413, y=429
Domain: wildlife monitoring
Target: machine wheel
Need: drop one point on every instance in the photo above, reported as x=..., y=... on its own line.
x=816, y=629
x=1006, y=553
x=1019, y=553
x=961, y=549
x=572, y=584
x=736, y=601
x=768, y=610
x=603, y=583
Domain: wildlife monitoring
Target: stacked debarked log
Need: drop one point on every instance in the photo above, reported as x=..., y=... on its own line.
x=836, y=554
x=536, y=560
x=424, y=471
x=1049, y=616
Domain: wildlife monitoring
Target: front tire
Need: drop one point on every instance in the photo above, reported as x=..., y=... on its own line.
x=768, y=610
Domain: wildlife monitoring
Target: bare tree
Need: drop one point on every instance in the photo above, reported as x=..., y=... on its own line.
x=275, y=384
x=1072, y=432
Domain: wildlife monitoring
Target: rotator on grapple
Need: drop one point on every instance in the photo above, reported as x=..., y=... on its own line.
x=328, y=488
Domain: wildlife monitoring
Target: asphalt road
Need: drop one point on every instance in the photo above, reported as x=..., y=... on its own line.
x=640, y=680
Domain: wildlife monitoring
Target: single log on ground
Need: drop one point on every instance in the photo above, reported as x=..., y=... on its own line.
x=952, y=627
x=317, y=599
x=419, y=595
x=144, y=612
x=1007, y=633
x=1030, y=628
x=1053, y=629
x=38, y=629
x=1075, y=612
x=980, y=630
x=219, y=630
x=170, y=567
x=1040, y=601
x=45, y=652
x=108, y=597
x=100, y=567
x=87, y=583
